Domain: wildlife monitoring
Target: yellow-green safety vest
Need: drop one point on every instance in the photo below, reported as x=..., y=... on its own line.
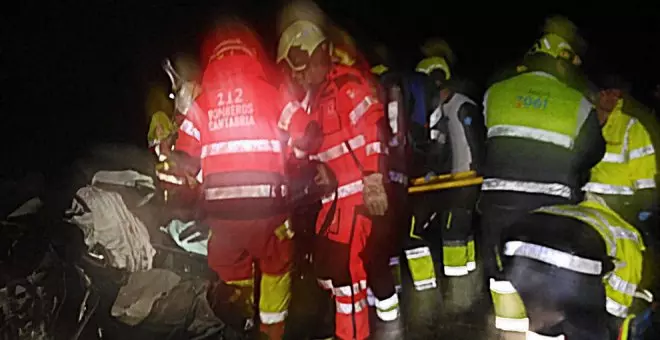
x=554, y=115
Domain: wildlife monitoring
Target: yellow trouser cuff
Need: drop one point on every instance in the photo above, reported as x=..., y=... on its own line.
x=275, y=293
x=510, y=314
x=421, y=267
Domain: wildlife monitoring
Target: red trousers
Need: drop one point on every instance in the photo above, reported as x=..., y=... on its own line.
x=233, y=248
x=339, y=265
x=236, y=244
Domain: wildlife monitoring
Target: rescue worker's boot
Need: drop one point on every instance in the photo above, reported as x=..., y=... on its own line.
x=232, y=305
x=386, y=326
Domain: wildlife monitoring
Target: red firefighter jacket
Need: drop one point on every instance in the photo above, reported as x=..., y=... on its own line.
x=350, y=115
x=236, y=129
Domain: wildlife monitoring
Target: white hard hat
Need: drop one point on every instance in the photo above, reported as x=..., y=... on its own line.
x=302, y=34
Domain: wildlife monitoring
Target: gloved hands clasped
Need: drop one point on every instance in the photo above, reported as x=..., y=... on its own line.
x=375, y=197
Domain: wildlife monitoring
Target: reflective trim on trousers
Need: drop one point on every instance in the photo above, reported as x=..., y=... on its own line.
x=245, y=191
x=348, y=290
x=641, y=152
x=349, y=308
x=621, y=285
x=241, y=146
x=425, y=284
x=456, y=271
x=553, y=257
x=512, y=325
x=616, y=308
x=554, y=189
x=534, y=336
x=608, y=189
x=417, y=253
x=526, y=132
x=502, y=287
x=471, y=265
x=272, y=318
x=388, y=309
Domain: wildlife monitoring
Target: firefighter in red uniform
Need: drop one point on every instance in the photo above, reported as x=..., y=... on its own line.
x=345, y=106
x=233, y=132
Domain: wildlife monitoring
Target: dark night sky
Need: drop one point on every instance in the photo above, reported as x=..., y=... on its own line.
x=74, y=74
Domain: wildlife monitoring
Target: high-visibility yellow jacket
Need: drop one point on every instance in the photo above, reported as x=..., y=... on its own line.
x=629, y=164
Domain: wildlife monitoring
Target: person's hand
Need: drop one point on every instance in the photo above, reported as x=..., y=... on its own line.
x=375, y=197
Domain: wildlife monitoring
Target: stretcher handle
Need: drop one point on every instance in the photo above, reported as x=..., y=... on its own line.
x=445, y=185
x=444, y=177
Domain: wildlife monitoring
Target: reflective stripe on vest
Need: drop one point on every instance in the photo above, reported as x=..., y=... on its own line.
x=609, y=177
x=624, y=245
x=531, y=133
x=554, y=189
x=245, y=191
x=608, y=189
x=241, y=146
x=345, y=191
x=622, y=156
x=553, y=257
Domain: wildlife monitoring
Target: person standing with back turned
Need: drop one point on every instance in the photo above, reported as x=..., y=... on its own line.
x=543, y=137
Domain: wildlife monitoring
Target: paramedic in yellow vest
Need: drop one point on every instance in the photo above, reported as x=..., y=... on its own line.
x=576, y=269
x=543, y=136
x=625, y=177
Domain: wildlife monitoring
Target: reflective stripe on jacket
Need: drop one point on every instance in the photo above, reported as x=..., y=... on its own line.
x=629, y=163
x=533, y=120
x=623, y=243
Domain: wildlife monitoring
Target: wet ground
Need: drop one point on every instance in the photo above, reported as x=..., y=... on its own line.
x=451, y=311
x=455, y=310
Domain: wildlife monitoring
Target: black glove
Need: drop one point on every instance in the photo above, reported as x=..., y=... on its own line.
x=198, y=232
